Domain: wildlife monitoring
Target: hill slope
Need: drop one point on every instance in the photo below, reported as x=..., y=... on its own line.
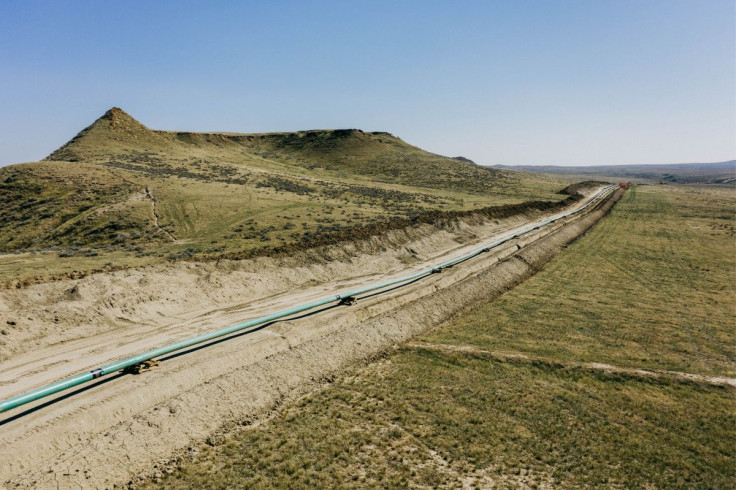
x=116, y=136
x=121, y=194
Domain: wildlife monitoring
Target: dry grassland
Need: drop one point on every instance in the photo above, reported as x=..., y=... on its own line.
x=650, y=287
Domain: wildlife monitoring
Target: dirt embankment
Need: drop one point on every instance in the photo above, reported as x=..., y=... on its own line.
x=117, y=432
x=436, y=219
x=63, y=310
x=585, y=188
x=439, y=219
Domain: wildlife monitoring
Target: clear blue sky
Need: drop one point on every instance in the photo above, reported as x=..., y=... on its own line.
x=515, y=82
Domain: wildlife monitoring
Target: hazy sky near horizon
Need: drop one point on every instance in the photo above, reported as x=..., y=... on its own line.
x=566, y=82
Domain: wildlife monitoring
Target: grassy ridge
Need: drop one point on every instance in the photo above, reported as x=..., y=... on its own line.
x=430, y=418
x=122, y=194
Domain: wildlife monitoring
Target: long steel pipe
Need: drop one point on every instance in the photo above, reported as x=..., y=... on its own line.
x=79, y=379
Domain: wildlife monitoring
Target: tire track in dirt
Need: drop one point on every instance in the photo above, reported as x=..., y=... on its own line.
x=152, y=198
x=551, y=363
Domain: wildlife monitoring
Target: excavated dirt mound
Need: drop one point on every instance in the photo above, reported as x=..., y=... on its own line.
x=60, y=311
x=585, y=188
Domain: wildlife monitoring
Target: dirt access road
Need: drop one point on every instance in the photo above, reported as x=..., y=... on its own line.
x=125, y=426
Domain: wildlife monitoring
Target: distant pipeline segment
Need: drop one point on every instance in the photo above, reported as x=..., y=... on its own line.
x=346, y=298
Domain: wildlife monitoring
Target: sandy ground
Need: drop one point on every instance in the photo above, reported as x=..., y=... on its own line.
x=125, y=427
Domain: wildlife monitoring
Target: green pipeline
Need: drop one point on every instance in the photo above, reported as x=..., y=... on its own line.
x=79, y=379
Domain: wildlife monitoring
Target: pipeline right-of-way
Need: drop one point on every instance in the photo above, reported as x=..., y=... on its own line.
x=86, y=377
